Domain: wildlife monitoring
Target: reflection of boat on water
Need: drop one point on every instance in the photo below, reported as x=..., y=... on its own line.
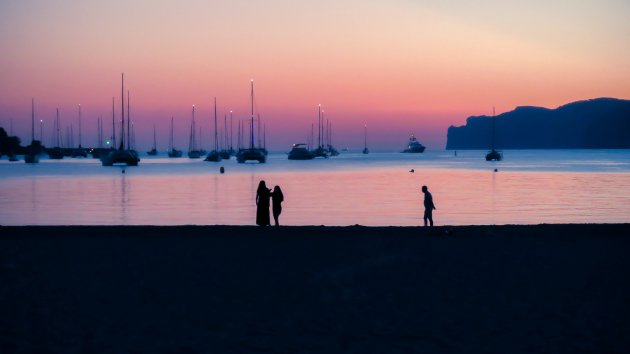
x=300, y=152
x=153, y=150
x=215, y=155
x=172, y=152
x=493, y=155
x=122, y=156
x=414, y=146
x=252, y=153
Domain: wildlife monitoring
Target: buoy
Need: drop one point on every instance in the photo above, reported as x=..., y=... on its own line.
x=221, y=169
x=412, y=171
x=123, y=171
x=496, y=170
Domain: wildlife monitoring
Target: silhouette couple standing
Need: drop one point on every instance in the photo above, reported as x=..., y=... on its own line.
x=262, y=204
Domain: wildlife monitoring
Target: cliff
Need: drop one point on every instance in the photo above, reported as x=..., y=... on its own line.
x=602, y=123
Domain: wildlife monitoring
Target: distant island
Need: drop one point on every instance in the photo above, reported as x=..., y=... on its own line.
x=602, y=123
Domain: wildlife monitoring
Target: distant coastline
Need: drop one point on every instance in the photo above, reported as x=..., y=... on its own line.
x=602, y=123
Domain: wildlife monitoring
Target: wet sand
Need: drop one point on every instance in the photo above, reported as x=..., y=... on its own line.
x=475, y=289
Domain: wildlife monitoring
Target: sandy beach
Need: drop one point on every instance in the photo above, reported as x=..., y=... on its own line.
x=220, y=289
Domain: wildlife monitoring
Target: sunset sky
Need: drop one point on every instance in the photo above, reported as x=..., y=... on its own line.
x=399, y=66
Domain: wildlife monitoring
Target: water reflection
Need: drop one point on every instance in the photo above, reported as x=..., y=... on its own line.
x=378, y=195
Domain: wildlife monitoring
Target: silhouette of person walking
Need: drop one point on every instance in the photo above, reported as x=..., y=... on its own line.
x=262, y=204
x=428, y=206
x=276, y=200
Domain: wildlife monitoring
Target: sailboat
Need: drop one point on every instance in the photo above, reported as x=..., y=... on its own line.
x=33, y=150
x=320, y=151
x=252, y=153
x=153, y=151
x=56, y=153
x=215, y=155
x=493, y=155
x=226, y=153
x=79, y=151
x=172, y=152
x=365, y=149
x=193, y=152
x=122, y=155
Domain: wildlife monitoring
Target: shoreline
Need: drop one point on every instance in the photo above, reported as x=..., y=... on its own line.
x=316, y=289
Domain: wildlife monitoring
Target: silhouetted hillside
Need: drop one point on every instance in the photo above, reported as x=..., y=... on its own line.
x=602, y=123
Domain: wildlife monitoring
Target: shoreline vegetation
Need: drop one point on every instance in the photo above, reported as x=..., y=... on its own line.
x=551, y=288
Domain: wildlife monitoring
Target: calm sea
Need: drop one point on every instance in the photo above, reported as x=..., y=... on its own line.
x=530, y=187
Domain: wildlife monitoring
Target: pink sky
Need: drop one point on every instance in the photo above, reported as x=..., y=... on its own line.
x=400, y=66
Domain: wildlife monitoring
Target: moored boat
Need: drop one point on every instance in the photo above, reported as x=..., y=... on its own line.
x=300, y=152
x=493, y=155
x=414, y=146
x=252, y=153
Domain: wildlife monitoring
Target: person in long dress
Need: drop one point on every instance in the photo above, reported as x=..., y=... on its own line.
x=262, y=205
x=276, y=200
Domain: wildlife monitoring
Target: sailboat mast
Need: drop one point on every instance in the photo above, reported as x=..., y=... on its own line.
x=365, y=136
x=79, y=125
x=32, y=120
x=58, y=129
x=113, y=125
x=319, y=126
x=99, y=134
x=192, y=131
x=170, y=137
x=216, y=136
x=122, y=109
x=154, y=139
x=493, y=128
x=251, y=127
x=129, y=132
x=231, y=132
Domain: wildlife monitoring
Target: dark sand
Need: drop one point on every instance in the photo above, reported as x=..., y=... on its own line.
x=486, y=289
